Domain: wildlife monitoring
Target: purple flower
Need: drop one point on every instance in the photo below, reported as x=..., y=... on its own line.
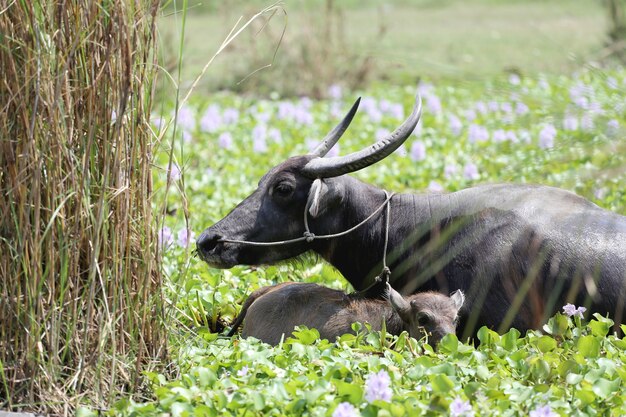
x=230, y=116
x=425, y=88
x=612, y=127
x=334, y=151
x=449, y=170
x=184, y=236
x=336, y=109
x=243, y=371
x=481, y=107
x=211, y=119
x=521, y=108
x=377, y=387
x=382, y=133
x=286, y=110
x=510, y=135
x=346, y=410
x=186, y=118
x=187, y=138
x=302, y=116
x=175, y=173
x=599, y=193
x=595, y=107
x=477, y=133
x=470, y=171
x=493, y=106
x=570, y=123
x=499, y=135
x=506, y=107
x=459, y=408
x=435, y=187
x=158, y=122
x=275, y=135
x=396, y=111
x=455, y=125
x=418, y=151
x=433, y=103
x=587, y=123
x=393, y=109
x=514, y=79
x=470, y=115
x=546, y=137
x=612, y=83
x=259, y=136
x=369, y=106
x=544, y=411
x=571, y=310
x=225, y=140
x=334, y=91
x=401, y=150
x=165, y=237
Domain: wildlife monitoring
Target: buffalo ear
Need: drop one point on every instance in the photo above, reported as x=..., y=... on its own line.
x=322, y=196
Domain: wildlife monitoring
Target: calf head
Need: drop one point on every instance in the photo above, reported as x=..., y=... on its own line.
x=427, y=313
x=308, y=185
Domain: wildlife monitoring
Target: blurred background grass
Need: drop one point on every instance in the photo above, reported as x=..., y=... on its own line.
x=357, y=42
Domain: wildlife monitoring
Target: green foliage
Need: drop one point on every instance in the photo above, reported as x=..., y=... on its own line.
x=573, y=366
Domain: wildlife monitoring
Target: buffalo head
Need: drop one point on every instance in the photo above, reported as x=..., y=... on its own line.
x=275, y=210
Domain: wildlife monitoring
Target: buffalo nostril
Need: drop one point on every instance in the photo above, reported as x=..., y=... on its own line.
x=207, y=242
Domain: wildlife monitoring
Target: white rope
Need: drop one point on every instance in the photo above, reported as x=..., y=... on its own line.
x=310, y=237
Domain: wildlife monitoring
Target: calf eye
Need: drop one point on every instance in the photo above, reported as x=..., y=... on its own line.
x=423, y=319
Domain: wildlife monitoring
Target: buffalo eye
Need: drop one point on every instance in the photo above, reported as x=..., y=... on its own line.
x=283, y=189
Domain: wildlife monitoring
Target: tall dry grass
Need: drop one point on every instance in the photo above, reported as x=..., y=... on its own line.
x=80, y=302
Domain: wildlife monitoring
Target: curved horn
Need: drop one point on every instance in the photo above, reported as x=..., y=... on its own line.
x=334, y=135
x=339, y=165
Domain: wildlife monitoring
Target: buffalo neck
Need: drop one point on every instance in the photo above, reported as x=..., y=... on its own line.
x=358, y=255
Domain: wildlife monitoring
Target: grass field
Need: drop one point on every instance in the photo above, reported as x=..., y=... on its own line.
x=397, y=43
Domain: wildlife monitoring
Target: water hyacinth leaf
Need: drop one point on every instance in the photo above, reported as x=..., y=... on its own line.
x=449, y=343
x=509, y=339
x=258, y=400
x=588, y=346
x=546, y=344
x=573, y=379
x=487, y=337
x=585, y=395
x=600, y=326
x=603, y=388
x=441, y=383
x=557, y=325
x=352, y=391
x=306, y=336
x=539, y=369
x=206, y=376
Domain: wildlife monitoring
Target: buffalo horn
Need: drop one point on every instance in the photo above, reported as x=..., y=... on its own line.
x=339, y=165
x=334, y=135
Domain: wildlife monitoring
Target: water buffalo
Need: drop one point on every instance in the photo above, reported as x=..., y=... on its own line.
x=273, y=311
x=518, y=251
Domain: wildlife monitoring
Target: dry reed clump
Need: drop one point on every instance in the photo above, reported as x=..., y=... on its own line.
x=80, y=301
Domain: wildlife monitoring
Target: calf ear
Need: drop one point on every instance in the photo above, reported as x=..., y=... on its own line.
x=458, y=298
x=402, y=307
x=322, y=196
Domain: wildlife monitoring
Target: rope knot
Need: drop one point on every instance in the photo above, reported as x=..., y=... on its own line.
x=309, y=237
x=386, y=273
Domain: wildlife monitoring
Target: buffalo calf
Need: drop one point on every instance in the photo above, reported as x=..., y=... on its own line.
x=273, y=311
